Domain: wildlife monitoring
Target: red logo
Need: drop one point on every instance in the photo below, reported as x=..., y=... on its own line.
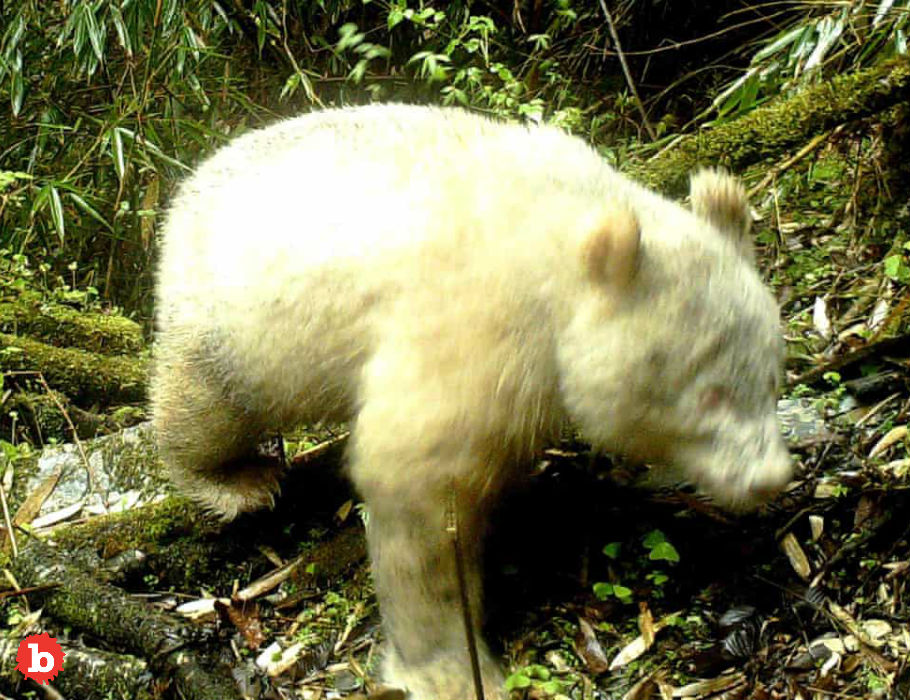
x=40, y=657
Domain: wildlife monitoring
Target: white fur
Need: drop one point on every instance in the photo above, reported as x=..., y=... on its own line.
x=423, y=272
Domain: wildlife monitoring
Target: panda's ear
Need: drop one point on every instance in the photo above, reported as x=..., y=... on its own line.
x=611, y=250
x=720, y=199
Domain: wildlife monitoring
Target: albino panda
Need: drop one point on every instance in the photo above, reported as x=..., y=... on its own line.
x=458, y=288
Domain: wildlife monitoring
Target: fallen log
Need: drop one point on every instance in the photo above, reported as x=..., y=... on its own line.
x=167, y=642
x=86, y=378
x=786, y=123
x=31, y=315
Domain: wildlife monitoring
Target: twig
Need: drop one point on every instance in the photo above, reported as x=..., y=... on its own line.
x=813, y=144
x=8, y=522
x=93, y=478
x=26, y=591
x=452, y=529
x=898, y=344
x=625, y=70
x=317, y=451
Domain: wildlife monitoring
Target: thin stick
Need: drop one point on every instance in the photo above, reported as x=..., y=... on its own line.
x=8, y=521
x=813, y=144
x=28, y=590
x=452, y=529
x=625, y=70
x=90, y=471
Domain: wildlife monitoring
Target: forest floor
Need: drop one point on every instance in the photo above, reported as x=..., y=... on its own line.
x=603, y=584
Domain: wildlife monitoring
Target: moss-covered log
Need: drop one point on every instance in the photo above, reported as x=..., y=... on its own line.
x=107, y=612
x=89, y=674
x=86, y=378
x=59, y=325
x=42, y=418
x=180, y=542
x=782, y=125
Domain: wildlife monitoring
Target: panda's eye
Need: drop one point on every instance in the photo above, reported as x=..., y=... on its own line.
x=714, y=397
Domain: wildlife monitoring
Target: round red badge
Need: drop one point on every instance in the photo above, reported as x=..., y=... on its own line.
x=40, y=657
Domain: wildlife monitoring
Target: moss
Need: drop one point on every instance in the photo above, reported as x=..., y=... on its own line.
x=85, y=377
x=773, y=129
x=184, y=546
x=59, y=325
x=147, y=528
x=43, y=419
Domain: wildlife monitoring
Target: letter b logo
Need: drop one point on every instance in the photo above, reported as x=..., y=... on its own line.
x=42, y=661
x=39, y=658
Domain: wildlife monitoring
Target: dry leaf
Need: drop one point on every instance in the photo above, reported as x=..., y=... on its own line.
x=879, y=314
x=589, y=649
x=201, y=608
x=271, y=580
x=797, y=557
x=646, y=623
x=637, y=646
x=899, y=468
x=245, y=617
x=817, y=526
x=286, y=660
x=820, y=318
x=889, y=439
x=57, y=516
x=710, y=686
x=642, y=690
x=827, y=489
x=341, y=515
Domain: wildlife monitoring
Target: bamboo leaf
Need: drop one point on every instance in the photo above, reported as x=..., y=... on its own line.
x=57, y=212
x=123, y=35
x=95, y=35
x=785, y=39
x=17, y=92
x=117, y=153
x=90, y=210
x=884, y=7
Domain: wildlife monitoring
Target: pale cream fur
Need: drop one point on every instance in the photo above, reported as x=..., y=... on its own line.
x=458, y=288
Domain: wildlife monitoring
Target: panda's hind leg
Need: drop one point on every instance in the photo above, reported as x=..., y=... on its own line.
x=206, y=438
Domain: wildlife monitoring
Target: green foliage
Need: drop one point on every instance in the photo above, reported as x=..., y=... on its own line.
x=612, y=550
x=538, y=678
x=660, y=548
x=110, y=102
x=832, y=37
x=604, y=591
x=656, y=548
x=896, y=265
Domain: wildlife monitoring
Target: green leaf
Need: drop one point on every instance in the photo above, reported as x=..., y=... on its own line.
x=658, y=578
x=623, y=593
x=123, y=35
x=117, y=153
x=612, y=550
x=90, y=210
x=350, y=37
x=783, y=40
x=654, y=538
x=892, y=266
x=95, y=36
x=664, y=551
x=551, y=687
x=57, y=212
x=17, y=92
x=602, y=590
x=396, y=16
x=517, y=680
x=539, y=671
